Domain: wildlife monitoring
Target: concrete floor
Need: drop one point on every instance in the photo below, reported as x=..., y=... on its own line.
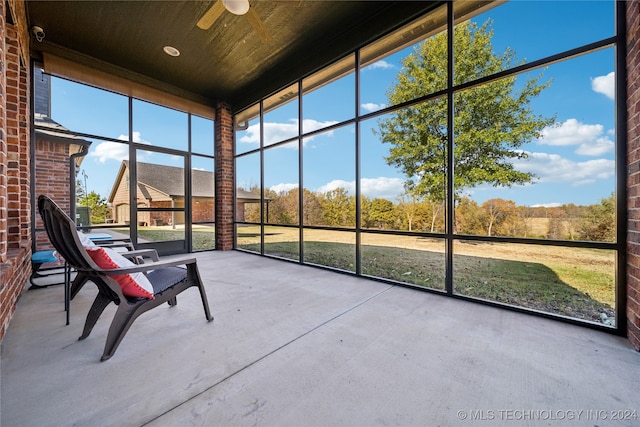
x=299, y=346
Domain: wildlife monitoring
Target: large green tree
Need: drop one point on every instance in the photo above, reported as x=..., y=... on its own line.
x=491, y=121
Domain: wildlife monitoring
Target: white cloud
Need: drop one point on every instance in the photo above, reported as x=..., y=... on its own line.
x=555, y=168
x=380, y=187
x=110, y=151
x=276, y=132
x=283, y=187
x=588, y=138
x=136, y=138
x=605, y=85
x=596, y=148
x=547, y=205
x=370, y=106
x=380, y=64
x=350, y=186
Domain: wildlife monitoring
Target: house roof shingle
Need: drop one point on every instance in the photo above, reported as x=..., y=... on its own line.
x=170, y=181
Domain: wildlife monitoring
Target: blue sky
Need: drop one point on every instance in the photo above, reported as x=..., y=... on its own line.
x=574, y=161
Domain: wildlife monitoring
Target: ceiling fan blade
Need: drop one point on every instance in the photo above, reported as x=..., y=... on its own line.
x=258, y=25
x=211, y=15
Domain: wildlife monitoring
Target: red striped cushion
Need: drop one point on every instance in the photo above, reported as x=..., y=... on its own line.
x=132, y=285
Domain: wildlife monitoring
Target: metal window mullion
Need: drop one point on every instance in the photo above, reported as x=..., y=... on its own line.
x=449, y=198
x=621, y=168
x=262, y=198
x=357, y=165
x=133, y=181
x=188, y=196
x=300, y=178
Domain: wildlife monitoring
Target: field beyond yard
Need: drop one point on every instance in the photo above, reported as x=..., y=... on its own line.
x=573, y=282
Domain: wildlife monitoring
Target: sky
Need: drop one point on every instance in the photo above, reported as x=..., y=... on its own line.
x=573, y=161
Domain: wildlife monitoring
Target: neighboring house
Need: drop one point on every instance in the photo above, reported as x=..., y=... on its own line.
x=162, y=187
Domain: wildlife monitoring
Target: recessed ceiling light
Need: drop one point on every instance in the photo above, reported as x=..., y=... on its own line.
x=171, y=51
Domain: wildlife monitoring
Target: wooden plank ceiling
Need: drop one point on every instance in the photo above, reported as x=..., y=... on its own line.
x=228, y=61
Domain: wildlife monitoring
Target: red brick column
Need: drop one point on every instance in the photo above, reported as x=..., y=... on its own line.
x=224, y=177
x=17, y=134
x=633, y=179
x=15, y=204
x=3, y=150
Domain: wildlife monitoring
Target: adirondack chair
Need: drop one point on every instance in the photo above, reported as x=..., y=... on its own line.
x=167, y=278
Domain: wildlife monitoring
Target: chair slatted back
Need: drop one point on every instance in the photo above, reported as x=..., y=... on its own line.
x=63, y=235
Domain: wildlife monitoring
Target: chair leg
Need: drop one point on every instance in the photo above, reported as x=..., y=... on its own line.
x=67, y=290
x=78, y=282
x=122, y=321
x=35, y=266
x=205, y=303
x=192, y=270
x=98, y=306
x=194, y=275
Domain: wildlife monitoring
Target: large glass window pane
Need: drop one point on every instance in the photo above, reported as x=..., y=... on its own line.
x=518, y=32
x=85, y=109
x=330, y=248
x=202, y=140
x=281, y=184
x=99, y=175
x=392, y=199
x=160, y=195
x=404, y=162
x=148, y=232
x=548, y=169
x=329, y=96
x=248, y=188
x=281, y=116
x=405, y=65
x=248, y=237
x=329, y=178
x=409, y=259
x=247, y=135
x=573, y=282
x=283, y=242
x=202, y=203
x=159, y=126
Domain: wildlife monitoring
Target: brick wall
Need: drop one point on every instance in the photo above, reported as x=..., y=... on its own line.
x=3, y=152
x=633, y=179
x=52, y=160
x=15, y=196
x=224, y=177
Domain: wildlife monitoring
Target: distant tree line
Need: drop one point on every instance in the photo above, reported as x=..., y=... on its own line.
x=495, y=217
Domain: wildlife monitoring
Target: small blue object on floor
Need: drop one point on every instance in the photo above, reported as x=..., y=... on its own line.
x=37, y=260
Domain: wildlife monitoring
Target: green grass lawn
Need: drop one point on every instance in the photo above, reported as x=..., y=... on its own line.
x=572, y=282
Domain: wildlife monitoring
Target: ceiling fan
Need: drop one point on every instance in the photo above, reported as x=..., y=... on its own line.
x=237, y=7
